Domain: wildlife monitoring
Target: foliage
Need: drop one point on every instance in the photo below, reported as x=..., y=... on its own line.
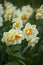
x=21, y=54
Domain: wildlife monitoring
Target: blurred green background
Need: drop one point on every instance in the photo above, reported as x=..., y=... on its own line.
x=33, y=56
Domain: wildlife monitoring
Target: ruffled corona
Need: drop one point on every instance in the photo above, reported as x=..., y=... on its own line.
x=13, y=37
x=29, y=31
x=17, y=24
x=24, y=17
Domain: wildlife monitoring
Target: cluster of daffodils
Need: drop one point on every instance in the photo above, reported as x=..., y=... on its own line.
x=11, y=12
x=24, y=14
x=39, y=12
x=19, y=31
x=15, y=35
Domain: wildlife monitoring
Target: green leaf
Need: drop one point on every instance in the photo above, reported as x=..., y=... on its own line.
x=18, y=55
x=20, y=61
x=10, y=63
x=8, y=50
x=16, y=48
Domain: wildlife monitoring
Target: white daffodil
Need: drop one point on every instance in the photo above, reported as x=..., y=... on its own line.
x=8, y=15
x=39, y=13
x=24, y=16
x=33, y=40
x=1, y=10
x=17, y=24
x=1, y=21
x=8, y=37
x=28, y=9
x=9, y=9
x=29, y=31
x=17, y=14
x=12, y=37
x=18, y=37
x=8, y=5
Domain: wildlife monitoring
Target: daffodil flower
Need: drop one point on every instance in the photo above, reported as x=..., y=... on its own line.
x=13, y=37
x=18, y=24
x=29, y=31
x=33, y=40
x=39, y=12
